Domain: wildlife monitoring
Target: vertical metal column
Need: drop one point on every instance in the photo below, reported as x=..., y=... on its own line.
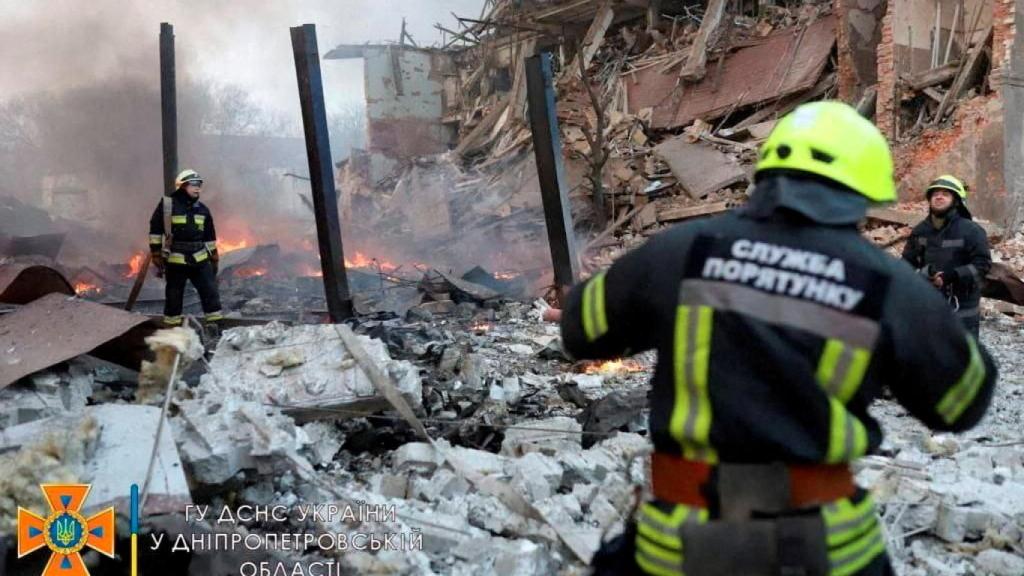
x=168, y=106
x=321, y=172
x=547, y=147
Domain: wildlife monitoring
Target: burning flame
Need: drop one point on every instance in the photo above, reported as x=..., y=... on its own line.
x=225, y=246
x=480, y=327
x=308, y=270
x=619, y=366
x=83, y=287
x=135, y=265
x=360, y=260
x=250, y=271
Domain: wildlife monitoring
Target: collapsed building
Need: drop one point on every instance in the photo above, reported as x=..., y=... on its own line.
x=447, y=401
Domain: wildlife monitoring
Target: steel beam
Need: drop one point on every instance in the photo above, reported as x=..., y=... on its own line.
x=321, y=172
x=168, y=106
x=547, y=148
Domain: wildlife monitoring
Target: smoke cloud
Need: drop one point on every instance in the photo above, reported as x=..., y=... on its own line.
x=80, y=106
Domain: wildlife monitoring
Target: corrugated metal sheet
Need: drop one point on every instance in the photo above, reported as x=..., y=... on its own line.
x=56, y=328
x=22, y=283
x=787, y=62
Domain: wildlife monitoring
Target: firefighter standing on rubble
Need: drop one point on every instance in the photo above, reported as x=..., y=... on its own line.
x=951, y=250
x=776, y=326
x=183, y=244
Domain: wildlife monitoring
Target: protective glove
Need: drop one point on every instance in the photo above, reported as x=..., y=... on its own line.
x=950, y=275
x=215, y=262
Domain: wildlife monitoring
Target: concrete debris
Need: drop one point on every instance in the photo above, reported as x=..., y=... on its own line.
x=300, y=367
x=47, y=393
x=220, y=436
x=551, y=436
x=107, y=446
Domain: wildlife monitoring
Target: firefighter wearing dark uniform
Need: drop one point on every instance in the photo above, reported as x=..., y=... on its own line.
x=776, y=326
x=189, y=252
x=951, y=250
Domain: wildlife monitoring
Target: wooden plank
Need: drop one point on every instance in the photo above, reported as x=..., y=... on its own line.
x=696, y=63
x=470, y=142
x=934, y=94
x=700, y=169
x=893, y=216
x=933, y=77
x=687, y=212
x=960, y=84
x=594, y=38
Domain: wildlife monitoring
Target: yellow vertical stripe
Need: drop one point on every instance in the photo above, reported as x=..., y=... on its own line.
x=837, y=429
x=682, y=405
x=595, y=322
x=701, y=354
x=828, y=361
x=690, y=424
x=854, y=374
x=956, y=400
x=600, y=320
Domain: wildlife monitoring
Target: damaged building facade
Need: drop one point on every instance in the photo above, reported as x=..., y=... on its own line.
x=898, y=59
x=447, y=400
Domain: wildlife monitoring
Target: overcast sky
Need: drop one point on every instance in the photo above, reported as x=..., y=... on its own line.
x=55, y=44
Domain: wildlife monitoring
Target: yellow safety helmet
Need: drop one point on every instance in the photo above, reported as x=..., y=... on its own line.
x=947, y=182
x=185, y=176
x=830, y=139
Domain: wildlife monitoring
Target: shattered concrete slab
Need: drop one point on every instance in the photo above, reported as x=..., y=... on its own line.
x=302, y=367
x=552, y=436
x=700, y=169
x=219, y=436
x=46, y=393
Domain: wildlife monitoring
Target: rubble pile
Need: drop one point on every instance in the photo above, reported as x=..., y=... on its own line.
x=954, y=504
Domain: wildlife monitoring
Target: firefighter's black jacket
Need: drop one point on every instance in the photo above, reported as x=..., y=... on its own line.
x=776, y=326
x=959, y=249
x=192, y=230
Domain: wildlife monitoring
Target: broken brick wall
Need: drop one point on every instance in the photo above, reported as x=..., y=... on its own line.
x=983, y=142
x=886, y=103
x=858, y=34
x=970, y=148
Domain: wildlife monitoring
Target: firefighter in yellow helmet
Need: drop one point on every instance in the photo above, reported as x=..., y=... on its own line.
x=951, y=250
x=183, y=244
x=776, y=326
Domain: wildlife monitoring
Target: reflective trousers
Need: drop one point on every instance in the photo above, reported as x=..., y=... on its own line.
x=205, y=281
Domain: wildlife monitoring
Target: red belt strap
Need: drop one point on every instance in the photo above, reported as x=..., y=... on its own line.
x=682, y=481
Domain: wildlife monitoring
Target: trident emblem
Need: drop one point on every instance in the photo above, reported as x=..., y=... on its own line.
x=65, y=531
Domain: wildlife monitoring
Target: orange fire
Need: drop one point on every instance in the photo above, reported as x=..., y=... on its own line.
x=480, y=327
x=360, y=260
x=134, y=265
x=83, y=287
x=609, y=367
x=250, y=271
x=225, y=246
x=308, y=270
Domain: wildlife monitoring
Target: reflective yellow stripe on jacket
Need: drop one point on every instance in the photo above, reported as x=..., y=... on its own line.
x=840, y=373
x=179, y=219
x=690, y=424
x=853, y=535
x=595, y=322
x=659, y=547
x=956, y=400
